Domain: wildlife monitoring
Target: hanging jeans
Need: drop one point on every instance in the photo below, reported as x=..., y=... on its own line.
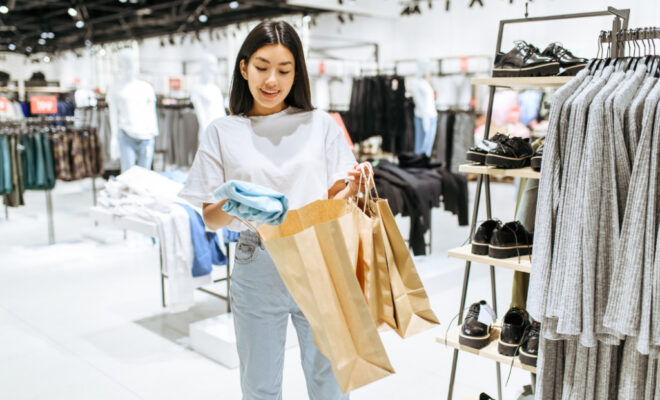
x=425, y=135
x=135, y=151
x=261, y=305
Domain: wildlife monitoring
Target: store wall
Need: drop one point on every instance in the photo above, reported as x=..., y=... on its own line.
x=21, y=67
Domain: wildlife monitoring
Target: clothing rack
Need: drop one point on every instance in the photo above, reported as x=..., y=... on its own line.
x=618, y=38
x=620, y=22
x=441, y=60
x=46, y=121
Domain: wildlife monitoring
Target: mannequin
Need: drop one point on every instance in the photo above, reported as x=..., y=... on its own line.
x=133, y=118
x=206, y=96
x=426, y=115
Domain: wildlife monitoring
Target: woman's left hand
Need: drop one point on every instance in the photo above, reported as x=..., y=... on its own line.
x=356, y=172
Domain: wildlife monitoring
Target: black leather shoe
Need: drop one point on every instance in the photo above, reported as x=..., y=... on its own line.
x=475, y=331
x=529, y=351
x=484, y=396
x=482, y=236
x=478, y=153
x=510, y=240
x=514, y=325
x=514, y=152
x=570, y=65
x=524, y=60
x=537, y=158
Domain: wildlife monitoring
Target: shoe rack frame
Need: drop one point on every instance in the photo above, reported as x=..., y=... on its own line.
x=620, y=22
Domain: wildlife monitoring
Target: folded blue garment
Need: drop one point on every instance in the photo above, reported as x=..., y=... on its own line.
x=250, y=201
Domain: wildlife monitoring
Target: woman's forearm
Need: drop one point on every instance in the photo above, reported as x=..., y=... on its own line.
x=214, y=217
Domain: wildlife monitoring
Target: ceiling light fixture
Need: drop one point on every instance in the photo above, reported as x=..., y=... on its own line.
x=233, y=4
x=41, y=41
x=102, y=51
x=46, y=59
x=72, y=12
x=88, y=43
x=44, y=35
x=123, y=1
x=28, y=49
x=51, y=35
x=80, y=24
x=12, y=46
x=307, y=19
x=4, y=9
x=203, y=18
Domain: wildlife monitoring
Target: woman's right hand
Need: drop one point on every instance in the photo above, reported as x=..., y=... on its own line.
x=214, y=216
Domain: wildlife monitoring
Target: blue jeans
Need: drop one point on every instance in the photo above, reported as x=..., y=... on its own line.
x=261, y=306
x=135, y=151
x=424, y=139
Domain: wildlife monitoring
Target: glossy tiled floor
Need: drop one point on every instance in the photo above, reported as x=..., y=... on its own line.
x=83, y=320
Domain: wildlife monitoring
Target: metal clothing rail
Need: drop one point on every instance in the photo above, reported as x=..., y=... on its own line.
x=620, y=37
x=620, y=22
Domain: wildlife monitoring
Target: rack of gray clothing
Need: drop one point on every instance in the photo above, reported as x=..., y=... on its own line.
x=595, y=280
x=483, y=182
x=178, y=131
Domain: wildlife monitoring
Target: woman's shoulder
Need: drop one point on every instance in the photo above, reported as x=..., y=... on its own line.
x=229, y=121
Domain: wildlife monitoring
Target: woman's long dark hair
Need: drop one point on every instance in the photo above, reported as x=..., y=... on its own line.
x=271, y=32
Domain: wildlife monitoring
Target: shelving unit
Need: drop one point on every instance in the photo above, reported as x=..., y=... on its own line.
x=526, y=172
x=484, y=173
x=536, y=82
x=490, y=351
x=522, y=264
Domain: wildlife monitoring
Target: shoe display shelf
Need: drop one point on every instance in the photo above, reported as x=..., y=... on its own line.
x=490, y=351
x=484, y=174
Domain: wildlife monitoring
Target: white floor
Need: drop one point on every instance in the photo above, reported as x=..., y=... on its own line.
x=83, y=320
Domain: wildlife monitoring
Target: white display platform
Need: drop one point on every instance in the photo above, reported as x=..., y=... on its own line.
x=214, y=338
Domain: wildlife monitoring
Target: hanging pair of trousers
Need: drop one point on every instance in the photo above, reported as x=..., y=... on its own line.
x=135, y=151
x=261, y=305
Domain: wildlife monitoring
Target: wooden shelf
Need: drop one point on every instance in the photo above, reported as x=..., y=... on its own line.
x=526, y=172
x=465, y=253
x=490, y=351
x=533, y=82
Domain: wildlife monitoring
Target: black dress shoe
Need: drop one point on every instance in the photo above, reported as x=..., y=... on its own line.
x=478, y=153
x=529, y=351
x=570, y=65
x=482, y=236
x=537, y=158
x=510, y=240
x=484, y=396
x=524, y=60
x=514, y=152
x=475, y=331
x=514, y=325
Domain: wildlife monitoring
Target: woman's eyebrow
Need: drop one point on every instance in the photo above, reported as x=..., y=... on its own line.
x=268, y=62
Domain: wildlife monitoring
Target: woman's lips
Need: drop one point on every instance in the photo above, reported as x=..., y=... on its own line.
x=269, y=95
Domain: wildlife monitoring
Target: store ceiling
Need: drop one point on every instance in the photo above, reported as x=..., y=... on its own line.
x=54, y=25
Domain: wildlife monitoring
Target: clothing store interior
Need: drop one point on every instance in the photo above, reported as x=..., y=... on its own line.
x=449, y=257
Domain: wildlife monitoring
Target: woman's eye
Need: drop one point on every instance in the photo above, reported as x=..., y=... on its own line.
x=284, y=72
x=260, y=69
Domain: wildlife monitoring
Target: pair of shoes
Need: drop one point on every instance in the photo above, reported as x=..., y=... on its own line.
x=502, y=241
x=502, y=151
x=537, y=158
x=519, y=336
x=476, y=329
x=527, y=60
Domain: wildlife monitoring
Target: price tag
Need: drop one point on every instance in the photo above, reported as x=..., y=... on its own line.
x=321, y=68
x=3, y=104
x=43, y=105
x=175, y=83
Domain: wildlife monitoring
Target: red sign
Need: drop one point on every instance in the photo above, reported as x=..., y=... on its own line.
x=43, y=105
x=463, y=62
x=3, y=104
x=175, y=83
x=76, y=81
x=321, y=68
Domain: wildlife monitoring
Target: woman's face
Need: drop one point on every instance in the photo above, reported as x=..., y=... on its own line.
x=269, y=74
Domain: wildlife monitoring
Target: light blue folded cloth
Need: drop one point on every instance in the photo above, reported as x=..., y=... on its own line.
x=250, y=201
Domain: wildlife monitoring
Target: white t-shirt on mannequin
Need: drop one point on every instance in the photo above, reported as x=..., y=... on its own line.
x=300, y=154
x=135, y=105
x=209, y=105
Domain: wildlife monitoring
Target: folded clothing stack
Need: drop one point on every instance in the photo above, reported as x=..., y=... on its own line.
x=250, y=201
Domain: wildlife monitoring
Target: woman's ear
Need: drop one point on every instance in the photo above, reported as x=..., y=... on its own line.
x=243, y=68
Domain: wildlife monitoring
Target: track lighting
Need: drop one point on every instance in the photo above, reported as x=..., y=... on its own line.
x=233, y=5
x=203, y=18
x=4, y=9
x=72, y=12
x=80, y=24
x=12, y=46
x=41, y=41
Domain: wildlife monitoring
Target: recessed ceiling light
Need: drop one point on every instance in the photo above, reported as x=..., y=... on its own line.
x=80, y=24
x=72, y=12
x=307, y=19
x=102, y=52
x=4, y=9
x=44, y=35
x=46, y=59
x=41, y=41
x=28, y=49
x=51, y=35
x=12, y=46
x=233, y=4
x=203, y=18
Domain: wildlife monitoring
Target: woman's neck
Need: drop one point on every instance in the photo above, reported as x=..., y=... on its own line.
x=259, y=111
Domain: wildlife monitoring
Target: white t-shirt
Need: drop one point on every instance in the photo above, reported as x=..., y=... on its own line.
x=135, y=103
x=300, y=154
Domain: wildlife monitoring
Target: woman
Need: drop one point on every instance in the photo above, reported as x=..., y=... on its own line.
x=274, y=138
